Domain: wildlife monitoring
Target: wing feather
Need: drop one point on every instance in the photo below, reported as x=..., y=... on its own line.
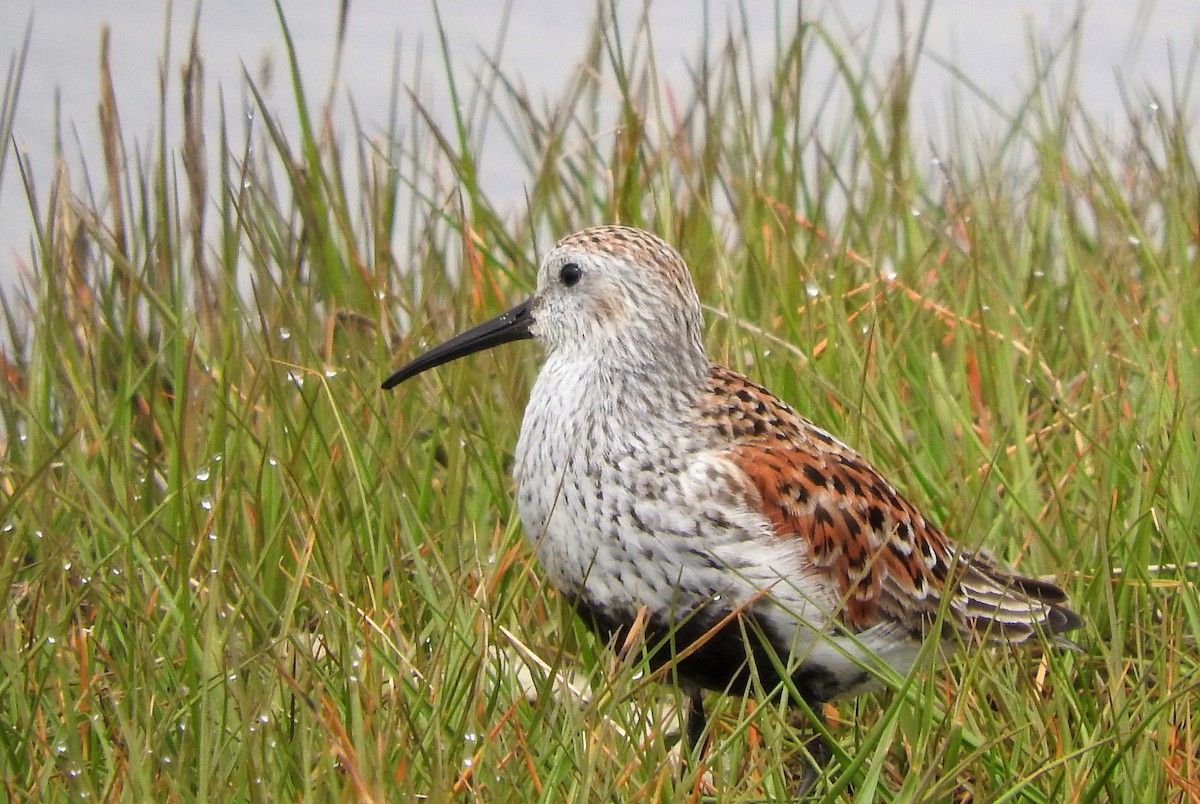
x=891, y=565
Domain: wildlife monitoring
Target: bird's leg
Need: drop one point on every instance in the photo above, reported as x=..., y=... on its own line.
x=820, y=754
x=696, y=723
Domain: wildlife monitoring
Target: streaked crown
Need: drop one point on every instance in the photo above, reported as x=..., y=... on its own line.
x=618, y=289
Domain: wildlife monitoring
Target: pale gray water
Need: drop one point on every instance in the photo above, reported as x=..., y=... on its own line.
x=1123, y=45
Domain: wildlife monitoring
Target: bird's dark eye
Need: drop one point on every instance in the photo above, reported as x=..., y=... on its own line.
x=570, y=274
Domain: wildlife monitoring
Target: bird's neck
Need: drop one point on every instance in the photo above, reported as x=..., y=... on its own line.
x=658, y=387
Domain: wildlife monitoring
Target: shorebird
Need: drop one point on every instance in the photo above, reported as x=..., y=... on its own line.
x=662, y=490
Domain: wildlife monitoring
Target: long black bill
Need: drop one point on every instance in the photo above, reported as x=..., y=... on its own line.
x=511, y=326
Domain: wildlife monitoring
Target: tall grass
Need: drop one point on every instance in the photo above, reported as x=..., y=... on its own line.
x=234, y=568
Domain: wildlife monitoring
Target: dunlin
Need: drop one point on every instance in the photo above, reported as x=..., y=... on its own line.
x=754, y=543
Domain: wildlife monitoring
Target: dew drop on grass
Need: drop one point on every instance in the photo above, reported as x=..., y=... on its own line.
x=206, y=503
x=60, y=748
x=812, y=289
x=212, y=536
x=51, y=640
x=295, y=377
x=66, y=566
x=1134, y=241
x=37, y=534
x=470, y=737
x=285, y=334
x=7, y=528
x=203, y=475
x=331, y=373
x=272, y=462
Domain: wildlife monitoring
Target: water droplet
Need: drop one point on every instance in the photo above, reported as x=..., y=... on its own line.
x=812, y=289
x=916, y=213
x=285, y=334
x=470, y=737
x=66, y=566
x=272, y=462
x=468, y=762
x=37, y=534
x=206, y=503
x=51, y=640
x=296, y=377
x=212, y=536
x=203, y=475
x=331, y=373
x=1133, y=241
x=7, y=528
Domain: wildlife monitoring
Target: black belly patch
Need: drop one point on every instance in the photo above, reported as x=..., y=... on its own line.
x=727, y=660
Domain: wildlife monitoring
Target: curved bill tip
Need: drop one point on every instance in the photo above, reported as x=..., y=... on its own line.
x=510, y=326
